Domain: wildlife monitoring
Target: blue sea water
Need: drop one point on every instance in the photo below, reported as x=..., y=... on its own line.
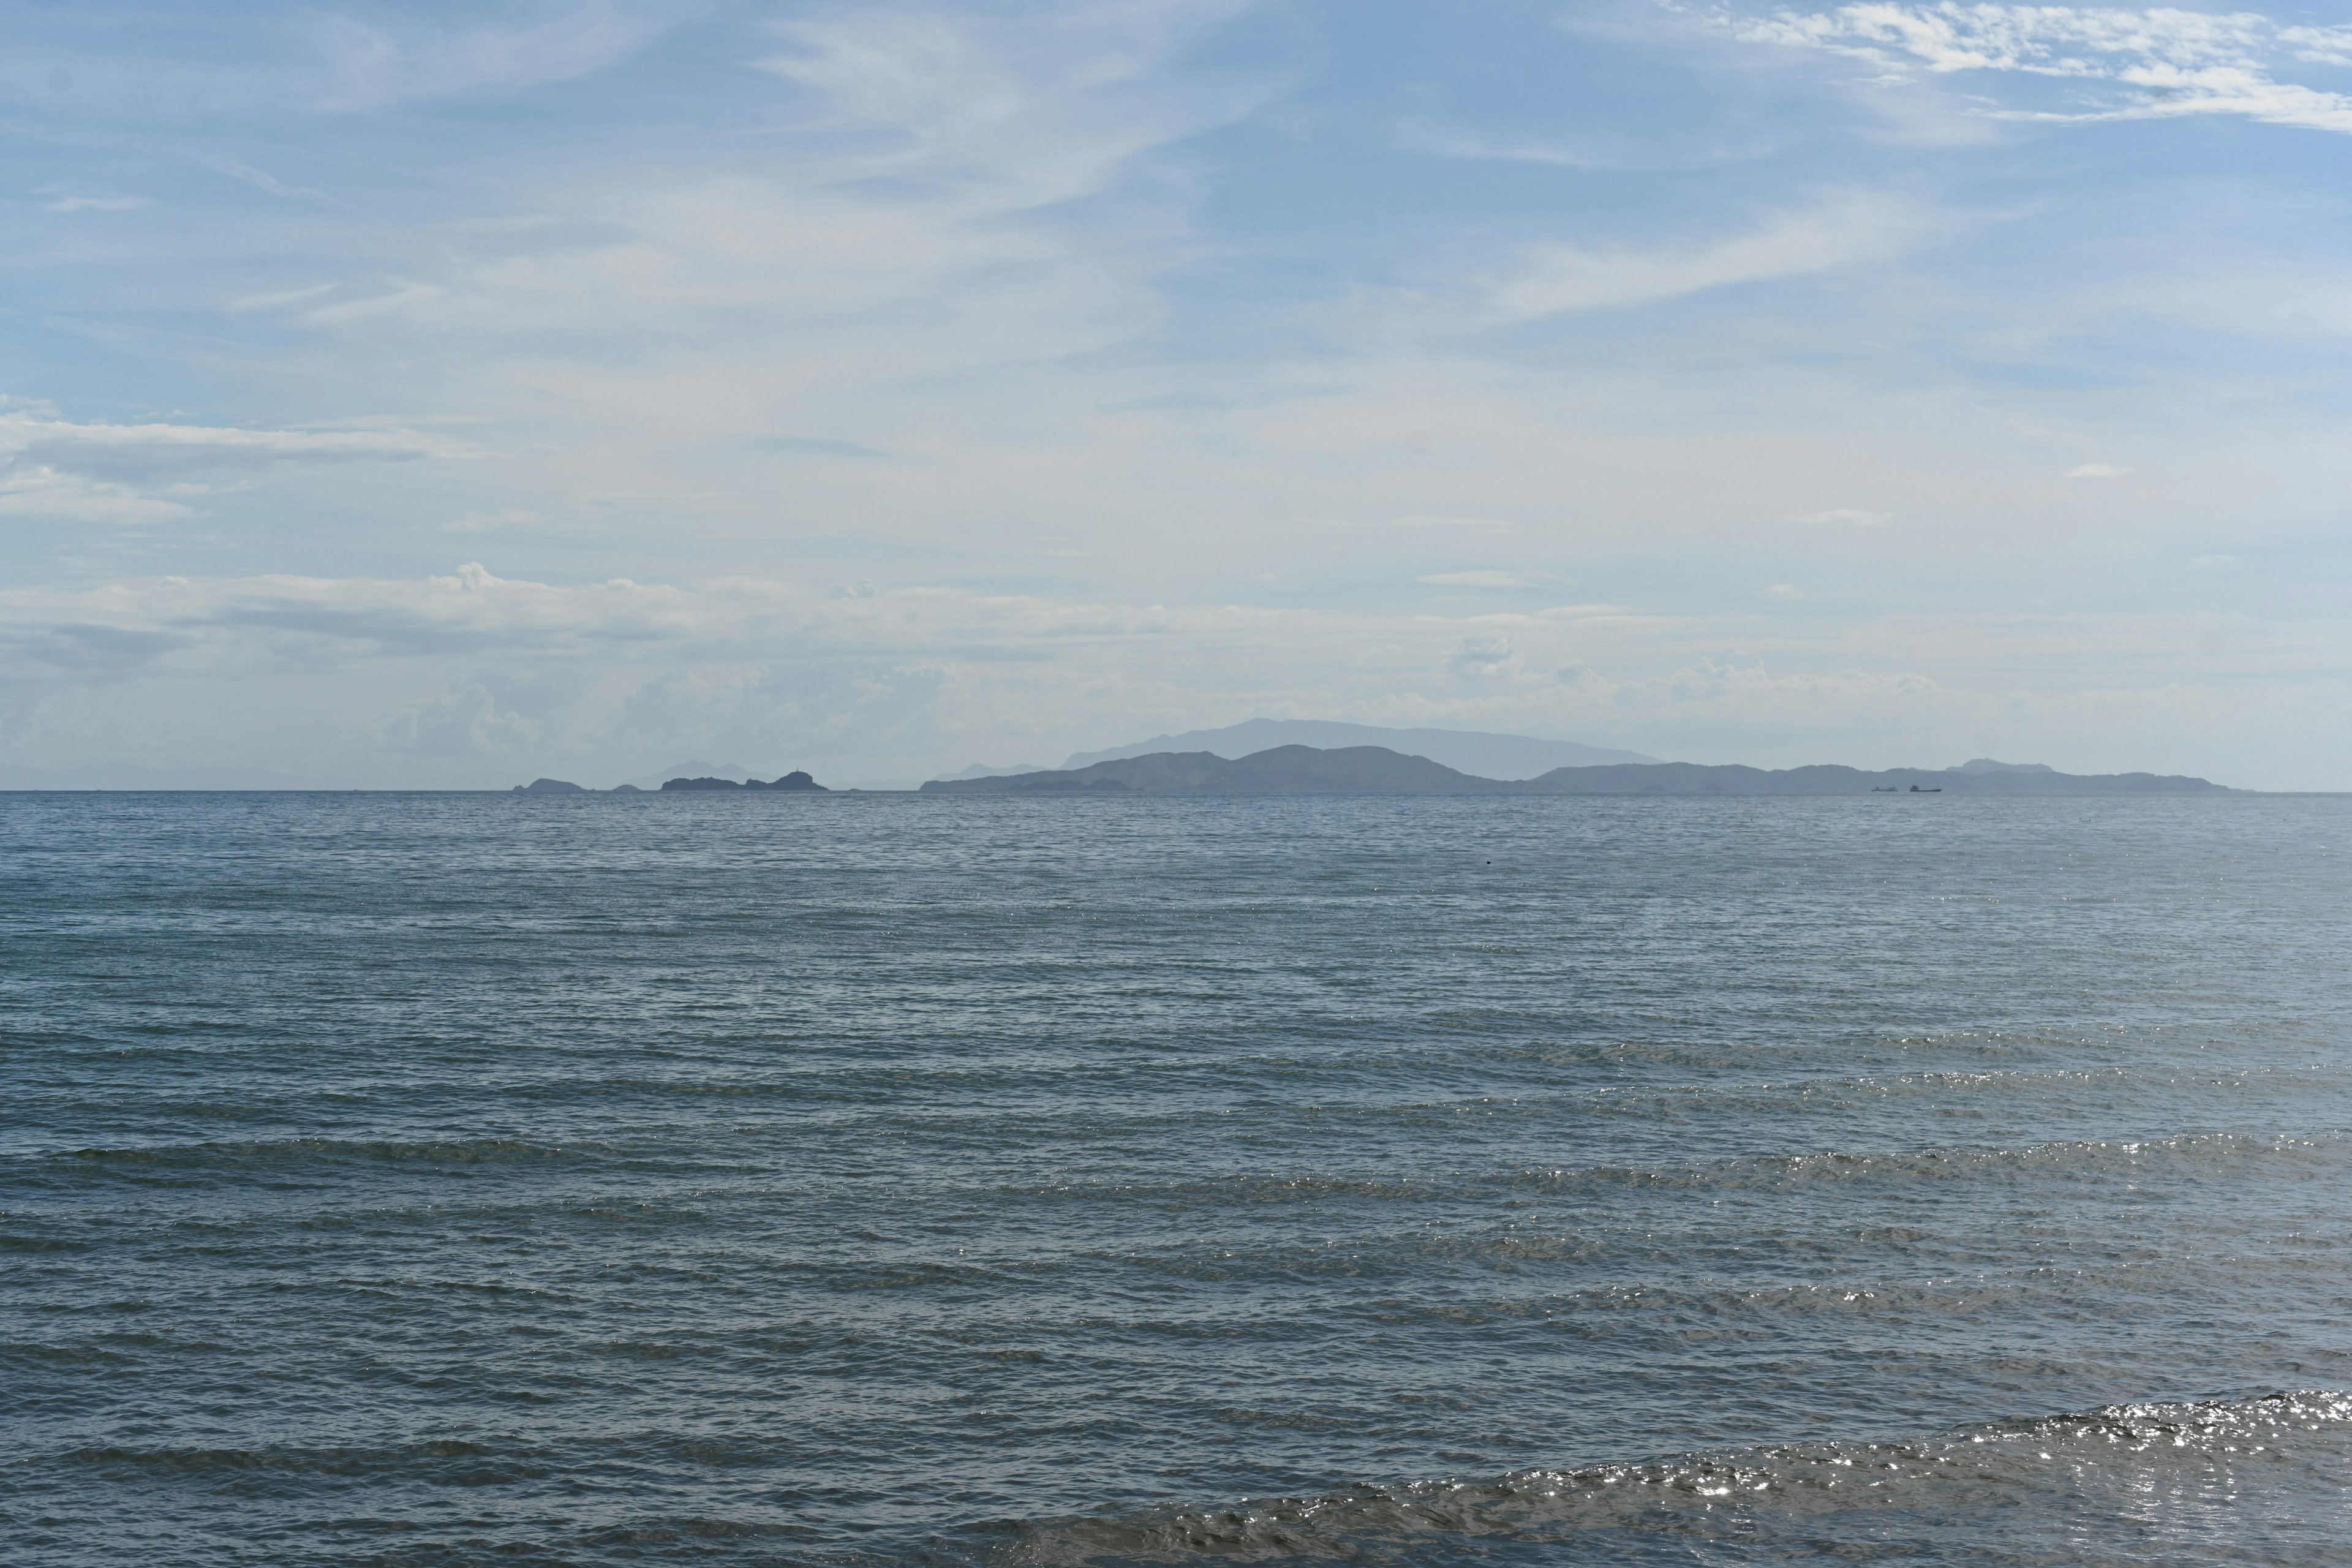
x=449, y=1179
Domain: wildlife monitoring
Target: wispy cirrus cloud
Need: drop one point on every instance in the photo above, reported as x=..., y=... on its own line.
x=2160, y=63
x=1436, y=139
x=904, y=221
x=93, y=472
x=21, y=433
x=277, y=299
x=262, y=179
x=1140, y=297
x=95, y=203
x=1845, y=232
x=1020, y=113
x=500, y=48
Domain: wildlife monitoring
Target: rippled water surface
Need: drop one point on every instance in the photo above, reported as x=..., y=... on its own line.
x=457, y=1179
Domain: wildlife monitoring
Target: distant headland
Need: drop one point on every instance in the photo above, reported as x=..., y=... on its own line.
x=1376, y=769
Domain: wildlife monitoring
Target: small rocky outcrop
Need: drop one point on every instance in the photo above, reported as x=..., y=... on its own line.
x=550, y=787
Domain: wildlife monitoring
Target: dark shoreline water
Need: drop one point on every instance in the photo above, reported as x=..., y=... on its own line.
x=441, y=1179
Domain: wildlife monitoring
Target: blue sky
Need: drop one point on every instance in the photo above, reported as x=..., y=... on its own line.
x=428, y=394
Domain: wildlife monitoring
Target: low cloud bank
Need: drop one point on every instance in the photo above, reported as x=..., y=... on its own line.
x=466, y=677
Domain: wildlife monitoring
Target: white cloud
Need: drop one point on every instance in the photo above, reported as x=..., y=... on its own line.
x=58, y=468
x=2320, y=46
x=2285, y=296
x=1489, y=579
x=403, y=57
x=1033, y=110
x=39, y=491
x=1485, y=658
x=261, y=179
x=906, y=220
x=2095, y=472
x=2048, y=40
x=974, y=237
x=2160, y=63
x=468, y=676
x=466, y=722
x=513, y=520
x=1439, y=140
x=22, y=433
x=278, y=298
x=1838, y=234
x=95, y=203
x=1841, y=517
x=404, y=297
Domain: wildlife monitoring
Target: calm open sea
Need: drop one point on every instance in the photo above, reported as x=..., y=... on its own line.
x=726, y=1180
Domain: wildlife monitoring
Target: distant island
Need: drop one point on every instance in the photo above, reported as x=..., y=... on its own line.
x=1382, y=770
x=795, y=781
x=1473, y=751
x=1376, y=770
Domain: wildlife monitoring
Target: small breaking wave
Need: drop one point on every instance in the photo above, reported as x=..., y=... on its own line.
x=2147, y=1471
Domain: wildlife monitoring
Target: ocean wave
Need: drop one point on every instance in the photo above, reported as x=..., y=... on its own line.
x=453, y=1462
x=169, y=1162
x=2120, y=1462
x=2093, y=1158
